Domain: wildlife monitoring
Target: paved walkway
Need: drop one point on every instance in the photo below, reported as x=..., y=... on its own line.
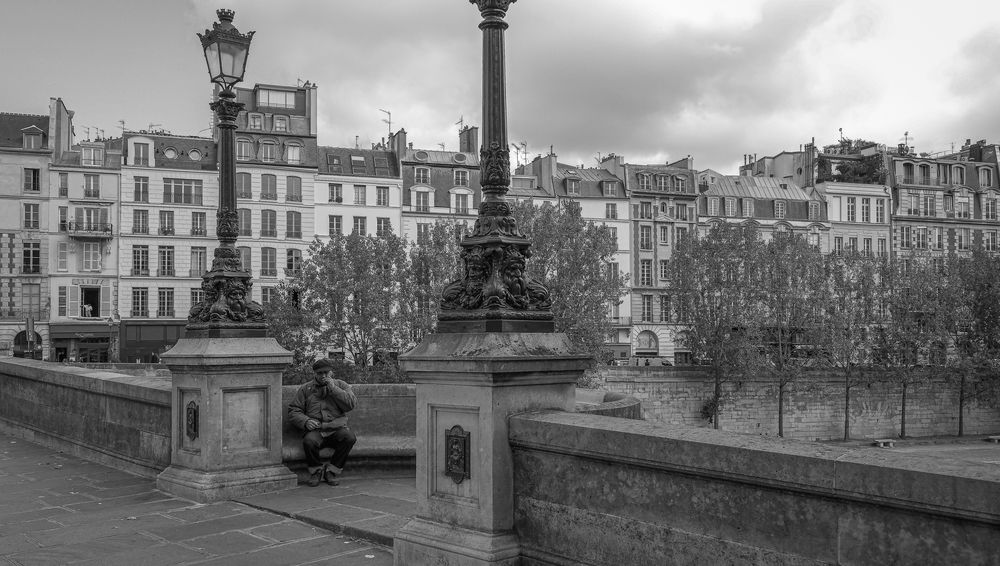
x=59, y=509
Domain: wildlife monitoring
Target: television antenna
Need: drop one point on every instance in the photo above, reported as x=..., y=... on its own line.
x=388, y=119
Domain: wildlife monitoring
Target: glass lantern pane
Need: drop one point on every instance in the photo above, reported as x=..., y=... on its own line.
x=227, y=56
x=212, y=57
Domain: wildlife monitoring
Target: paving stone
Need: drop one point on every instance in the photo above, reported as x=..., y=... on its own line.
x=137, y=498
x=287, y=531
x=369, y=556
x=299, y=552
x=159, y=555
x=99, y=529
x=235, y=523
x=398, y=490
x=290, y=501
x=379, y=529
x=337, y=514
x=13, y=544
x=233, y=542
x=383, y=504
x=204, y=512
x=119, y=511
x=26, y=527
x=65, y=554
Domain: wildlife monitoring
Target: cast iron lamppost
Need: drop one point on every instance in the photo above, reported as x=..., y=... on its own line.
x=494, y=295
x=227, y=309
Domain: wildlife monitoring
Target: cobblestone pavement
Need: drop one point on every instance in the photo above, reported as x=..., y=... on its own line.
x=59, y=509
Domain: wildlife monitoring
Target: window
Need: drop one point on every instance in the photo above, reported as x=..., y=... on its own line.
x=141, y=156
x=293, y=189
x=92, y=156
x=990, y=240
x=275, y=98
x=664, y=234
x=243, y=221
x=713, y=206
x=246, y=258
x=335, y=224
x=281, y=123
x=662, y=183
x=140, y=302
x=730, y=206
x=646, y=272
x=867, y=250
x=62, y=256
x=461, y=204
x=423, y=201
x=165, y=261
x=382, y=166
x=681, y=212
x=920, y=238
x=852, y=209
x=643, y=182
x=293, y=262
x=166, y=222
x=680, y=184
x=198, y=224
x=423, y=233
x=181, y=191
x=882, y=247
x=293, y=154
x=925, y=174
x=197, y=296
x=140, y=190
x=748, y=208
x=359, y=194
x=614, y=235
x=611, y=188
x=268, y=295
x=244, y=150
x=664, y=308
x=31, y=141
x=461, y=178
x=422, y=175
x=268, y=224
x=962, y=209
x=243, y=187
x=928, y=206
x=31, y=298
x=963, y=238
x=573, y=187
x=358, y=166
x=255, y=121
x=269, y=187
x=611, y=210
x=647, y=308
x=838, y=245
x=199, y=259
x=985, y=177
x=140, y=260
x=679, y=234
x=268, y=152
x=140, y=221
x=63, y=218
x=958, y=175
x=293, y=226
x=32, y=180
x=63, y=300
x=383, y=227
x=664, y=269
x=31, y=216
x=880, y=211
x=165, y=304
x=382, y=196
x=360, y=225
x=645, y=210
x=908, y=173
x=852, y=244
x=31, y=260
x=645, y=237
x=336, y=192
x=268, y=262
x=904, y=237
x=91, y=186
x=91, y=256
x=937, y=237
x=64, y=184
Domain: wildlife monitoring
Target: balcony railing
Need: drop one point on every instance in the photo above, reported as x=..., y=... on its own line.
x=165, y=313
x=90, y=229
x=165, y=272
x=268, y=272
x=166, y=231
x=462, y=210
x=139, y=313
x=905, y=179
x=140, y=229
x=293, y=234
x=138, y=272
x=31, y=269
x=22, y=314
x=269, y=196
x=198, y=231
x=269, y=233
x=421, y=208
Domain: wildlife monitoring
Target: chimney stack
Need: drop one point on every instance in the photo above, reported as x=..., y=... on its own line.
x=468, y=140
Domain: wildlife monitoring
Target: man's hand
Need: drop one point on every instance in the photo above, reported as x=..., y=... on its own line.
x=312, y=424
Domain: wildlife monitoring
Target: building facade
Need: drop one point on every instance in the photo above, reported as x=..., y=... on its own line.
x=357, y=190
x=860, y=216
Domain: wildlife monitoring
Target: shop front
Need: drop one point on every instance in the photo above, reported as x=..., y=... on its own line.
x=81, y=341
x=143, y=341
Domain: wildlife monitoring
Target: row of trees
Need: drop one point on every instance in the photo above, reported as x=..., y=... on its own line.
x=379, y=294
x=780, y=308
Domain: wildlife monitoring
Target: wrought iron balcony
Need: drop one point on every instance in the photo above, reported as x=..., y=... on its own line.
x=139, y=313
x=166, y=231
x=140, y=272
x=90, y=230
x=199, y=231
x=165, y=272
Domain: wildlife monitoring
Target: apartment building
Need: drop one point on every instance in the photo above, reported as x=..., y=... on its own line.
x=358, y=190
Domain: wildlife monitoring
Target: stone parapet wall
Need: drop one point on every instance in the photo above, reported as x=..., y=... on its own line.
x=595, y=490
x=814, y=408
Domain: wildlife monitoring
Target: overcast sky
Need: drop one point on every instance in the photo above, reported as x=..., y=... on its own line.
x=653, y=80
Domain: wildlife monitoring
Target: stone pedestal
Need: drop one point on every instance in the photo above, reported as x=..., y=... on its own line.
x=226, y=418
x=468, y=384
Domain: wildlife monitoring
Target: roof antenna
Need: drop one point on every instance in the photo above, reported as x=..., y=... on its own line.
x=460, y=123
x=387, y=120
x=442, y=146
x=356, y=146
x=121, y=124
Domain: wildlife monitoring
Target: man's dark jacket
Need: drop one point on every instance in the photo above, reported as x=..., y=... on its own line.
x=328, y=404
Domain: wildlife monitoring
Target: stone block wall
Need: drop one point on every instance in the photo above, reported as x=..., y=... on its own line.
x=596, y=490
x=814, y=406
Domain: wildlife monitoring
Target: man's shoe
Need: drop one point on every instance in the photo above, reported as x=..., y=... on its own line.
x=331, y=478
x=314, y=478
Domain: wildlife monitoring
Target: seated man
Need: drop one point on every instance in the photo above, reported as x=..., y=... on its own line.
x=320, y=410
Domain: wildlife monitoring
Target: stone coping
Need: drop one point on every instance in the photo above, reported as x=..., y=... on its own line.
x=907, y=481
x=155, y=390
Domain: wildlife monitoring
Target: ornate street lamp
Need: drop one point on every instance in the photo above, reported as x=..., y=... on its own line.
x=494, y=295
x=227, y=309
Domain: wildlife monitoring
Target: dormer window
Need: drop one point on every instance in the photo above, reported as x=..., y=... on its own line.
x=382, y=166
x=275, y=98
x=814, y=210
x=730, y=206
x=611, y=188
x=713, y=206
x=461, y=178
x=662, y=183
x=643, y=182
x=422, y=175
x=958, y=175
x=573, y=186
x=358, y=164
x=281, y=123
x=779, y=209
x=680, y=184
x=32, y=141
x=985, y=177
x=255, y=122
x=92, y=156
x=267, y=152
x=293, y=154
x=333, y=162
x=244, y=150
